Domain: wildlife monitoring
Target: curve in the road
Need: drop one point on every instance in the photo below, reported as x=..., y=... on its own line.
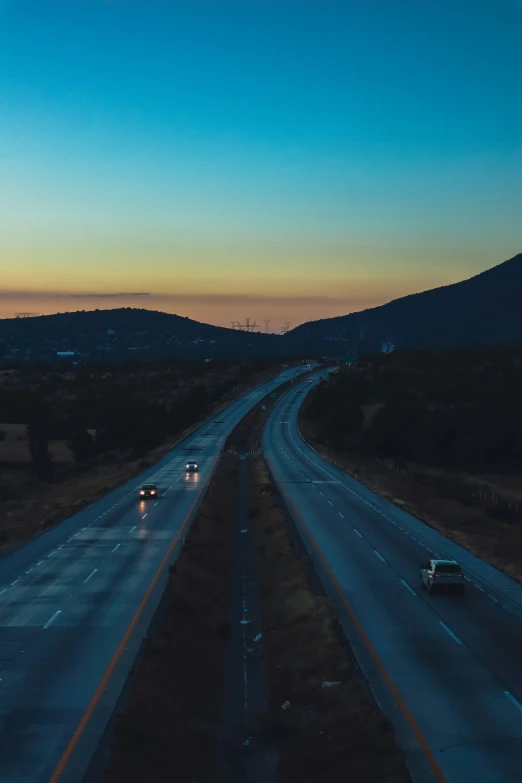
x=452, y=665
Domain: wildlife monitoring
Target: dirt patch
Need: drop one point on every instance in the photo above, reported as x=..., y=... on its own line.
x=168, y=729
x=493, y=540
x=327, y=735
x=14, y=446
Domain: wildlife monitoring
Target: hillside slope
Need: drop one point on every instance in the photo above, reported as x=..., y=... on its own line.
x=484, y=309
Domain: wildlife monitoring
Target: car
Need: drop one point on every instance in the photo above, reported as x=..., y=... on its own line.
x=311, y=380
x=191, y=466
x=442, y=575
x=148, y=491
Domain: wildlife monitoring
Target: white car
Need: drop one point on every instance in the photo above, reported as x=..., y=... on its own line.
x=442, y=575
x=191, y=466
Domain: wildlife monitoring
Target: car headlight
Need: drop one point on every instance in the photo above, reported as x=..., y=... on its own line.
x=142, y=492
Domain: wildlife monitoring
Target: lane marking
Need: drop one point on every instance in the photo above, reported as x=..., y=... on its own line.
x=91, y=574
x=514, y=701
x=330, y=502
x=16, y=580
x=379, y=556
x=450, y=632
x=39, y=562
x=4, y=590
x=132, y=529
x=143, y=517
x=406, y=585
x=395, y=692
x=356, y=531
x=116, y=547
x=53, y=618
x=341, y=515
x=58, y=772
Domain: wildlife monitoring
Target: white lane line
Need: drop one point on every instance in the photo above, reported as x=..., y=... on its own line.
x=406, y=585
x=479, y=588
x=341, y=515
x=156, y=503
x=15, y=581
x=330, y=502
x=514, y=701
x=321, y=493
x=28, y=572
x=132, y=529
x=52, y=553
x=356, y=531
x=143, y=517
x=39, y=562
x=379, y=556
x=116, y=547
x=3, y=591
x=53, y=618
x=450, y=632
x=91, y=574
x=494, y=599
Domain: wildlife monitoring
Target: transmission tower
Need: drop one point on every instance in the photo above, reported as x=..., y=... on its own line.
x=248, y=326
x=286, y=328
x=266, y=322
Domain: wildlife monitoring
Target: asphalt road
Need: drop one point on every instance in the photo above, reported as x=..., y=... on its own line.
x=76, y=602
x=446, y=670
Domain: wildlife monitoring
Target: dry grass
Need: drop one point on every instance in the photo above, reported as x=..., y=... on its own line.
x=330, y=735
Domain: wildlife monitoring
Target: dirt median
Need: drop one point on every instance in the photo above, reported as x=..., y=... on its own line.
x=168, y=725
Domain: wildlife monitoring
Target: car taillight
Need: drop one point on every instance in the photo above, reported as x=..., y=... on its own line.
x=435, y=575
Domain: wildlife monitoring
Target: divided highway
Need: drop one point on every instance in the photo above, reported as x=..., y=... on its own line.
x=446, y=670
x=76, y=602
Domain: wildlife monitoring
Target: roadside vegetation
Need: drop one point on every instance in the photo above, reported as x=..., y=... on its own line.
x=439, y=434
x=68, y=436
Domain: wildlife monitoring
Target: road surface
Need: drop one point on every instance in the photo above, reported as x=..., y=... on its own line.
x=446, y=670
x=76, y=602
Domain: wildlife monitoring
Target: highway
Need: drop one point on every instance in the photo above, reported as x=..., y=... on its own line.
x=446, y=670
x=76, y=602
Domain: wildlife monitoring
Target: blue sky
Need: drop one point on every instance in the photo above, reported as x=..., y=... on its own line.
x=285, y=158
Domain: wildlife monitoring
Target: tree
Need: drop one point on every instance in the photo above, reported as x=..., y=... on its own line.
x=39, y=434
x=82, y=443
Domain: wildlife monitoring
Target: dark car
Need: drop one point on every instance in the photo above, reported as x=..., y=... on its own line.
x=191, y=466
x=148, y=491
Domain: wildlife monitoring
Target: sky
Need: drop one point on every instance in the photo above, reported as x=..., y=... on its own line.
x=281, y=160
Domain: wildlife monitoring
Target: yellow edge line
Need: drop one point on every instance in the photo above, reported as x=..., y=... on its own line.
x=110, y=668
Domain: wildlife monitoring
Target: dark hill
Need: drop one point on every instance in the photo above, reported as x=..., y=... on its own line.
x=127, y=333
x=486, y=308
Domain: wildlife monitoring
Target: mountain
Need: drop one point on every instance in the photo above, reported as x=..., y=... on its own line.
x=487, y=308
x=127, y=333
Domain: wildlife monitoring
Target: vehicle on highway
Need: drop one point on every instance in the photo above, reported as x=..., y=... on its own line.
x=442, y=575
x=311, y=380
x=149, y=491
x=191, y=466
